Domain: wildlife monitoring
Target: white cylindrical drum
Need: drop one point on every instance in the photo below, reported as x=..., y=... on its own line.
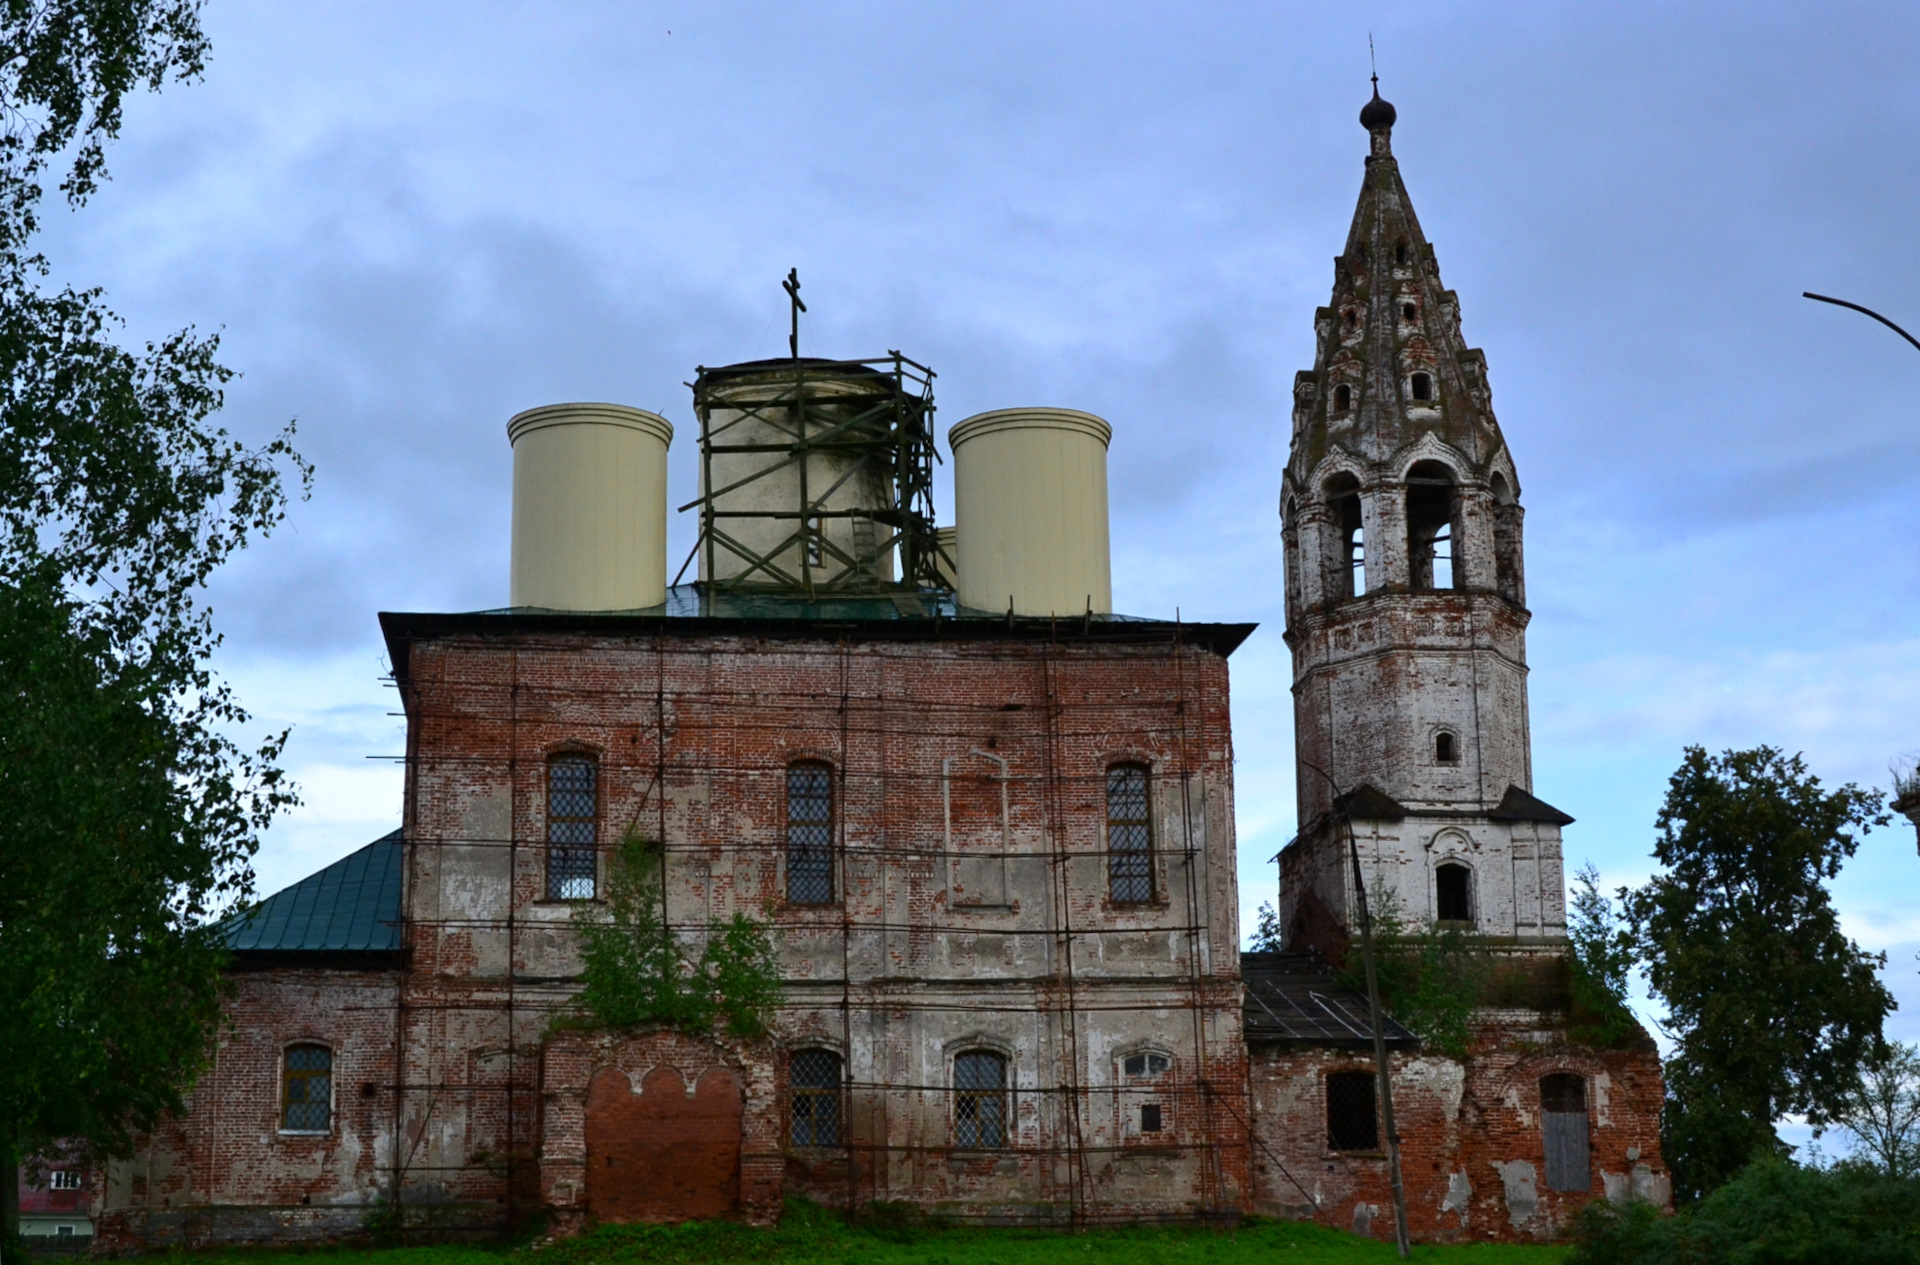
x=589, y=507
x=1030, y=505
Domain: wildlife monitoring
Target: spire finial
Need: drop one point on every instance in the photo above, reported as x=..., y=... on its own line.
x=1376, y=115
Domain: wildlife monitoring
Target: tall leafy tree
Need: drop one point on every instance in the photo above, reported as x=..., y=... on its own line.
x=128, y=813
x=1771, y=1007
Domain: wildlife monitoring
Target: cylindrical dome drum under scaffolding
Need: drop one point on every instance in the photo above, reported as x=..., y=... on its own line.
x=816, y=476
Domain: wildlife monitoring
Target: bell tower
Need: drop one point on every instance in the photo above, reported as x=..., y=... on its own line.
x=1406, y=606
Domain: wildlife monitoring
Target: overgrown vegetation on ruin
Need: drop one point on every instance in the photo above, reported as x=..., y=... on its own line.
x=1431, y=975
x=639, y=972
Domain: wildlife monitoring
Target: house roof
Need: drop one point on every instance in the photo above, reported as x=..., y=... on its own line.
x=1517, y=805
x=691, y=611
x=1295, y=997
x=352, y=906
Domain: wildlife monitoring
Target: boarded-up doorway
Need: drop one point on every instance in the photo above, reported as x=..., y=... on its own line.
x=1563, y=1102
x=662, y=1154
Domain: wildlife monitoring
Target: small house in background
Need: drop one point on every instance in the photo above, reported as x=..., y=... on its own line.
x=56, y=1205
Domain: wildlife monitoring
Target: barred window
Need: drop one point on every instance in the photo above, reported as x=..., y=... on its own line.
x=810, y=833
x=572, y=828
x=1352, y=1118
x=1129, y=835
x=813, y=1081
x=306, y=1089
x=980, y=1100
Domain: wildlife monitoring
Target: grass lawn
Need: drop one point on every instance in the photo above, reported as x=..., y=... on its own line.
x=811, y=1237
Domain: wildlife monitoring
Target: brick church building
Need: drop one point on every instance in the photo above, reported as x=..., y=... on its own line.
x=988, y=821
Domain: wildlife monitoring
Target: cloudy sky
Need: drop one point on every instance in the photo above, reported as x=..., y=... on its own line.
x=412, y=221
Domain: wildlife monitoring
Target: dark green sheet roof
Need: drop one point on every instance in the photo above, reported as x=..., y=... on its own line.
x=352, y=906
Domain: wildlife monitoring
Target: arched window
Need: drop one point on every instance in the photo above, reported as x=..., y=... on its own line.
x=1506, y=538
x=1349, y=563
x=1453, y=893
x=573, y=825
x=1422, y=384
x=813, y=1089
x=1353, y=1122
x=1129, y=835
x=810, y=833
x=1563, y=1117
x=980, y=1100
x=306, y=1089
x=1431, y=504
x=1342, y=398
x=1446, y=748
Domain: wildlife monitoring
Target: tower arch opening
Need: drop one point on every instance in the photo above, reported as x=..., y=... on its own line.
x=1506, y=537
x=1347, y=564
x=1433, y=503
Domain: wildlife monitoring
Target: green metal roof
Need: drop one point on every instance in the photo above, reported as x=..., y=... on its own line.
x=352, y=906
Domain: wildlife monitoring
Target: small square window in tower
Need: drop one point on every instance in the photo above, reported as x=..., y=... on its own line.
x=1431, y=506
x=572, y=828
x=813, y=1078
x=1353, y=1122
x=1453, y=893
x=810, y=833
x=1563, y=1115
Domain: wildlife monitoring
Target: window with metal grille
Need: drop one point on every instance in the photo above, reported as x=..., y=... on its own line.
x=1453, y=892
x=1352, y=1119
x=1129, y=835
x=1563, y=1118
x=980, y=1100
x=813, y=1088
x=573, y=824
x=810, y=833
x=306, y=1089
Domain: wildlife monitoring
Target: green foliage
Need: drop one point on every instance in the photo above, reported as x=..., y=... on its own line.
x=1771, y=1007
x=1882, y=1112
x=127, y=813
x=637, y=969
x=1600, y=962
x=1430, y=976
x=1266, y=932
x=1772, y=1212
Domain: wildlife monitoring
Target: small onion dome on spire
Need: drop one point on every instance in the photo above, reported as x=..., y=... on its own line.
x=1376, y=113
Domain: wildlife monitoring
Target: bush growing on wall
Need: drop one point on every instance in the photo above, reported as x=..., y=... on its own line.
x=638, y=970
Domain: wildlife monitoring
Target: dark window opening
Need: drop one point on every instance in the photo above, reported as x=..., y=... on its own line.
x=1349, y=563
x=306, y=1089
x=1146, y=1064
x=1150, y=1117
x=1400, y=252
x=573, y=824
x=1129, y=835
x=1563, y=1112
x=1431, y=505
x=813, y=1079
x=1445, y=748
x=1453, y=893
x=1353, y=318
x=1342, y=398
x=1353, y=1122
x=1409, y=312
x=980, y=1100
x=810, y=834
x=1422, y=384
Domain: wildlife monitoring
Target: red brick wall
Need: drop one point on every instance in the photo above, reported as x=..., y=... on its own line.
x=1470, y=1132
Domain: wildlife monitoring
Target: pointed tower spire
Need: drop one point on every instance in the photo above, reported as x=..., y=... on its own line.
x=1406, y=603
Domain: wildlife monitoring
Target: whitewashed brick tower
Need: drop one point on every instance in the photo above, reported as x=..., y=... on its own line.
x=1406, y=607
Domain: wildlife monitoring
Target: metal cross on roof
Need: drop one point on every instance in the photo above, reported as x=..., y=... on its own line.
x=792, y=286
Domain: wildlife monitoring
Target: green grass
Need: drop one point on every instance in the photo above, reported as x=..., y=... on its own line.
x=809, y=1236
